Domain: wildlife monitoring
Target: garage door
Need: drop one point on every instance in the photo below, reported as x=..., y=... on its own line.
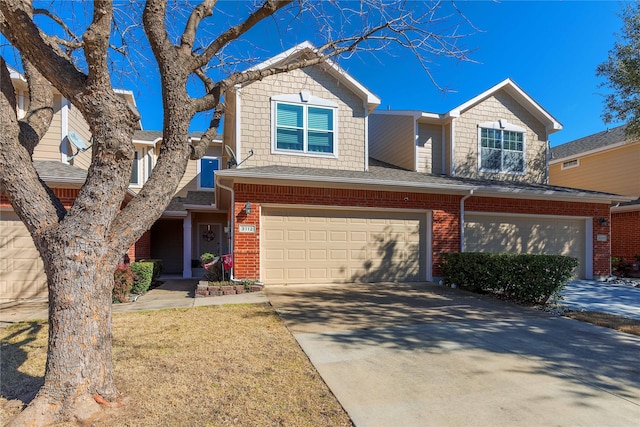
x=532, y=235
x=323, y=246
x=21, y=269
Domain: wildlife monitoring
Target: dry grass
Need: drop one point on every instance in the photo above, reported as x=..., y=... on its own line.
x=209, y=366
x=622, y=324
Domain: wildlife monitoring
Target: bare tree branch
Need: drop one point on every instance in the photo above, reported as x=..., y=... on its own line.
x=58, y=21
x=40, y=113
x=96, y=41
x=200, y=12
x=268, y=8
x=17, y=25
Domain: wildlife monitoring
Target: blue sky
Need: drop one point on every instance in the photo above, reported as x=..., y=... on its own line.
x=550, y=48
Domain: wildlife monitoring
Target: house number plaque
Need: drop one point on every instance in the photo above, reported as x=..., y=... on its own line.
x=243, y=228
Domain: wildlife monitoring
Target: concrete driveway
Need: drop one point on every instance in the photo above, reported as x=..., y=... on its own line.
x=425, y=355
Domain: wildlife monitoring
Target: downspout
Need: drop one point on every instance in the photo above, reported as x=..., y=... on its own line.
x=232, y=224
x=546, y=165
x=462, y=219
x=366, y=136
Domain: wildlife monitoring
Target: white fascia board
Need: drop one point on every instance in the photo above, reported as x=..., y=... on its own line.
x=146, y=142
x=625, y=208
x=552, y=125
x=260, y=177
x=550, y=195
x=372, y=100
x=589, y=152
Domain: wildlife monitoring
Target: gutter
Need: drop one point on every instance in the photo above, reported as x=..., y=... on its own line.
x=232, y=225
x=462, y=218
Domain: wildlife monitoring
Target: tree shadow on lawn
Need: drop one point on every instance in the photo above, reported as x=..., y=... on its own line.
x=16, y=384
x=435, y=319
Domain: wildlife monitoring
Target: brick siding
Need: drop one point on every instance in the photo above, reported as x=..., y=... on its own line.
x=445, y=210
x=625, y=231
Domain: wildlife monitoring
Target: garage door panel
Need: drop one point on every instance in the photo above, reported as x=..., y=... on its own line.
x=21, y=268
x=344, y=246
x=527, y=235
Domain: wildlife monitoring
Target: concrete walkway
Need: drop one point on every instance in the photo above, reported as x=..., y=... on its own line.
x=173, y=293
x=618, y=299
x=425, y=355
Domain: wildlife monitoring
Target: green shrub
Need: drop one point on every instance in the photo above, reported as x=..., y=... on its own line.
x=206, y=258
x=521, y=277
x=157, y=268
x=123, y=282
x=143, y=276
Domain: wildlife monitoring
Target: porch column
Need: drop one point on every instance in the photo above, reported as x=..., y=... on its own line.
x=186, y=246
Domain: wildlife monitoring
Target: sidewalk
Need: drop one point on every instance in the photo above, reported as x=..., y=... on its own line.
x=173, y=293
x=613, y=298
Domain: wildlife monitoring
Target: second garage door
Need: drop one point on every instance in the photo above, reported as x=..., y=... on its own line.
x=327, y=246
x=521, y=234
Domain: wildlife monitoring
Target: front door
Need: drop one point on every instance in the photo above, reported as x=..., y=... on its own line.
x=209, y=239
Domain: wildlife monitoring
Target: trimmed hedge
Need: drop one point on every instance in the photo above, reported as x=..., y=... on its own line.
x=157, y=267
x=521, y=277
x=143, y=277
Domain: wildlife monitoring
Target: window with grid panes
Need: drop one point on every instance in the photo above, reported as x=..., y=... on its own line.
x=501, y=150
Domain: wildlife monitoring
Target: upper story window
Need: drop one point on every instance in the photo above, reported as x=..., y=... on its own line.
x=501, y=147
x=206, y=172
x=143, y=163
x=304, y=124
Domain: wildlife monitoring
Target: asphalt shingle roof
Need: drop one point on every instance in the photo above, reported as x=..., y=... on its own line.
x=51, y=170
x=588, y=143
x=380, y=174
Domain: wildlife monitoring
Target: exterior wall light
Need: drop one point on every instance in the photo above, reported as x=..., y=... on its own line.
x=603, y=221
x=247, y=208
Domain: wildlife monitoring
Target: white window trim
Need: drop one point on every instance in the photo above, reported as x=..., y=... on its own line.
x=307, y=100
x=570, y=166
x=141, y=171
x=199, y=171
x=502, y=125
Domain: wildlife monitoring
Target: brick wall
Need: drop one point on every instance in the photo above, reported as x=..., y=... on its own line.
x=445, y=209
x=66, y=196
x=141, y=249
x=625, y=232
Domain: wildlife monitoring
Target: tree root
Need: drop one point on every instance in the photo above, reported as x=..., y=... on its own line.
x=45, y=411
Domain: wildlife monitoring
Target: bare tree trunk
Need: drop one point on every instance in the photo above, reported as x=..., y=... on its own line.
x=79, y=360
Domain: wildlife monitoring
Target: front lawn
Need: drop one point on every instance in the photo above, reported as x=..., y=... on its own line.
x=208, y=366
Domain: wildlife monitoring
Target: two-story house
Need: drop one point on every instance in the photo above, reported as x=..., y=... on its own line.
x=605, y=161
x=332, y=191
x=327, y=189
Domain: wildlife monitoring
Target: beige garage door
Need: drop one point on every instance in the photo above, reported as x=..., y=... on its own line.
x=526, y=235
x=21, y=268
x=323, y=246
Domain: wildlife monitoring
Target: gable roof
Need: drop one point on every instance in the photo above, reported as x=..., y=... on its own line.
x=334, y=69
x=509, y=86
x=600, y=141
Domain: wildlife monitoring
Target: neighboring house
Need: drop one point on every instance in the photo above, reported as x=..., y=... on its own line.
x=62, y=164
x=605, y=161
x=337, y=192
